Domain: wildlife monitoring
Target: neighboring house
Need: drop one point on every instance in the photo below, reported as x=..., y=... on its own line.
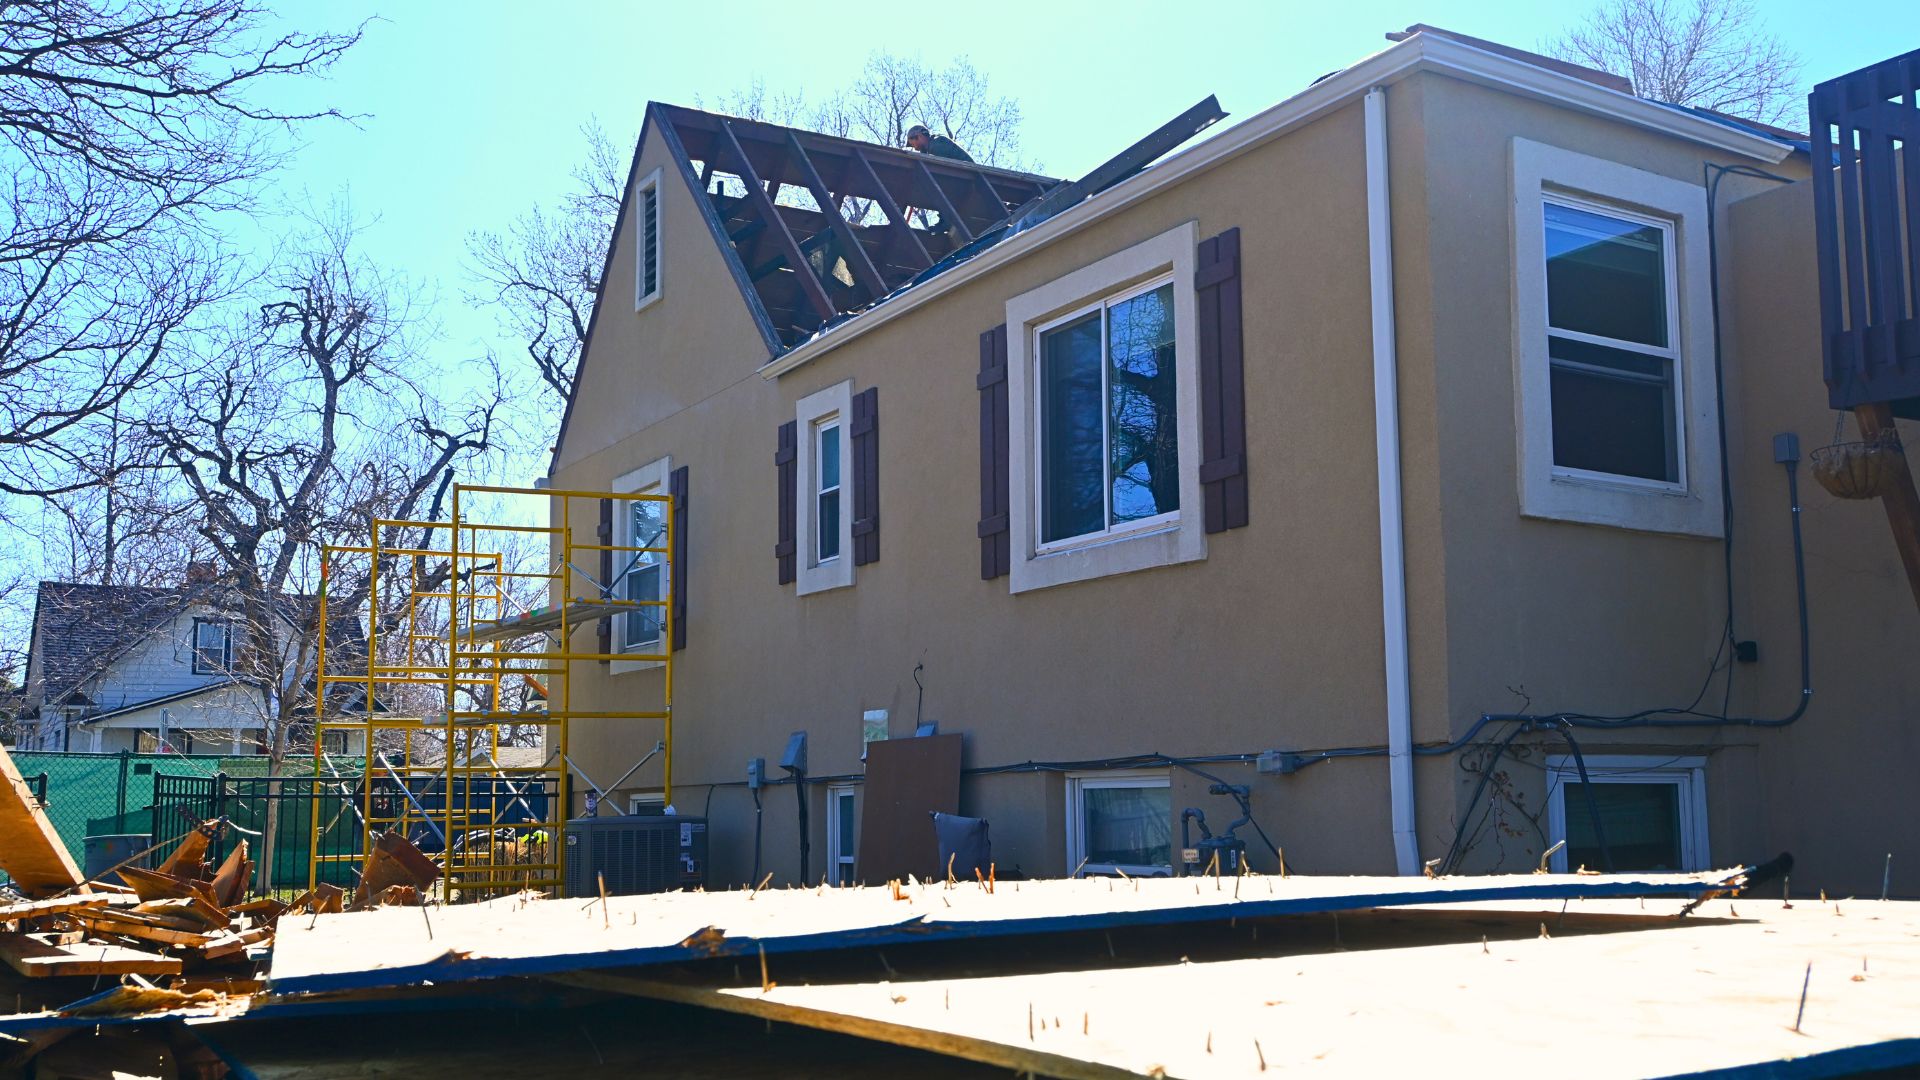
x=1309, y=455
x=122, y=667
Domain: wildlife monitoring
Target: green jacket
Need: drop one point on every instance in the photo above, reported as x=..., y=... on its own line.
x=941, y=146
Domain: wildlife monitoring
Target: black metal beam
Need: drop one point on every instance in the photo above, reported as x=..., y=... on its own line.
x=809, y=283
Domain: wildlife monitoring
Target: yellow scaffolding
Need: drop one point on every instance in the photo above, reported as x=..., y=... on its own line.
x=435, y=772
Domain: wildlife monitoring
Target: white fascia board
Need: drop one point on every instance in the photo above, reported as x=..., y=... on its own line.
x=1422, y=52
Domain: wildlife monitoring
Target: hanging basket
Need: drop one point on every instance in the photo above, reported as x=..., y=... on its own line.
x=1861, y=470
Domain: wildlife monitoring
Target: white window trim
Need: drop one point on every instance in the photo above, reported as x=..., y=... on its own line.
x=652, y=183
x=1691, y=507
x=835, y=857
x=1164, y=541
x=1688, y=773
x=811, y=575
x=225, y=666
x=648, y=478
x=1080, y=782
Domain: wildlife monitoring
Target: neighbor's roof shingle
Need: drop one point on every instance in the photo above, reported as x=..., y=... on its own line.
x=82, y=629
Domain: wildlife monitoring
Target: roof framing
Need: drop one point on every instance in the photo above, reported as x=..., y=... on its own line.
x=816, y=226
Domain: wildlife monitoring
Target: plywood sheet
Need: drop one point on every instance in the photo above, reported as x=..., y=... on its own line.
x=908, y=780
x=515, y=936
x=1687, y=997
x=30, y=851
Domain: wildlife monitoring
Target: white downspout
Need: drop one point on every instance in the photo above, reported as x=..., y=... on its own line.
x=1386, y=427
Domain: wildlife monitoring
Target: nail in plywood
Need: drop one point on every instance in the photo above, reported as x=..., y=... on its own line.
x=30, y=851
x=907, y=781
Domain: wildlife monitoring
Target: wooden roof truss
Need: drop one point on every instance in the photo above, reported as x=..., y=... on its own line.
x=819, y=226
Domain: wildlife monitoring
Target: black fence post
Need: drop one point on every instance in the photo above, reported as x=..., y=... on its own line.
x=120, y=800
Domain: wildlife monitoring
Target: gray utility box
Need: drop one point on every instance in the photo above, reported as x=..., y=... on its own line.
x=640, y=853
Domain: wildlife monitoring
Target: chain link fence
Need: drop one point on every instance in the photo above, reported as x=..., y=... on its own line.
x=113, y=794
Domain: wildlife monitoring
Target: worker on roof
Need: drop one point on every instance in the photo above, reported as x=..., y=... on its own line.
x=927, y=142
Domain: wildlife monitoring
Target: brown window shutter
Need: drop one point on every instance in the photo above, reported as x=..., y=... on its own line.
x=996, y=557
x=1223, y=407
x=677, y=487
x=783, y=466
x=864, y=430
x=603, y=629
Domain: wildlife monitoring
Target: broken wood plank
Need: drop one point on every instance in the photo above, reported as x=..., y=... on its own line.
x=186, y=859
x=150, y=885
x=35, y=908
x=31, y=852
x=194, y=909
x=232, y=877
x=159, y=935
x=233, y=943
x=34, y=958
x=394, y=861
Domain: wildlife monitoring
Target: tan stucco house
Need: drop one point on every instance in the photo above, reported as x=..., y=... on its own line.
x=1396, y=450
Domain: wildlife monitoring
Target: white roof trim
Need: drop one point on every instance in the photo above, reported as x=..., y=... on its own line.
x=1422, y=52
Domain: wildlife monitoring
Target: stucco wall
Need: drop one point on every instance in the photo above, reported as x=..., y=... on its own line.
x=1836, y=788
x=1272, y=640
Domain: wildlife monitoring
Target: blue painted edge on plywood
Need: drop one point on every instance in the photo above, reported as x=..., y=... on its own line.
x=1848, y=1061
x=921, y=929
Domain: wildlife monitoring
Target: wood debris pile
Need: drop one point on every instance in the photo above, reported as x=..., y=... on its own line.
x=182, y=937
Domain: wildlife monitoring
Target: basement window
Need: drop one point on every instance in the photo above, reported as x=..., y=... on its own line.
x=841, y=817
x=646, y=268
x=1120, y=821
x=1652, y=810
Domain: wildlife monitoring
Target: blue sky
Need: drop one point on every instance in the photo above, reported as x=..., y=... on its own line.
x=472, y=111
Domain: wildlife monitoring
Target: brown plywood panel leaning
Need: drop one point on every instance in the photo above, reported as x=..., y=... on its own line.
x=907, y=781
x=30, y=851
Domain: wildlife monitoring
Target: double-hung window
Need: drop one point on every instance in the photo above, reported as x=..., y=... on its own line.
x=212, y=647
x=827, y=443
x=638, y=574
x=1611, y=343
x=823, y=525
x=646, y=233
x=1109, y=451
x=1120, y=821
x=1103, y=392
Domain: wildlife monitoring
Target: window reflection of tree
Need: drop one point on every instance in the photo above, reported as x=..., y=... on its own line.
x=1074, y=470
x=1141, y=403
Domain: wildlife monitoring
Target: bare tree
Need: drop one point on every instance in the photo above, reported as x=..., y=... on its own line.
x=1713, y=54
x=126, y=126
x=543, y=273
x=309, y=422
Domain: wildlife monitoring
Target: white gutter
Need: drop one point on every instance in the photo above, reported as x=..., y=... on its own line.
x=1420, y=52
x=1386, y=429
